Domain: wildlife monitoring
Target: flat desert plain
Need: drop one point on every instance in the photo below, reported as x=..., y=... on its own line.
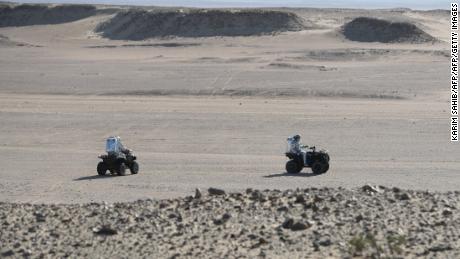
x=215, y=111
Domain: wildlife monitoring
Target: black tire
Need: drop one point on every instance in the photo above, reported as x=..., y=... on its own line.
x=292, y=167
x=327, y=157
x=101, y=168
x=320, y=166
x=121, y=170
x=134, y=168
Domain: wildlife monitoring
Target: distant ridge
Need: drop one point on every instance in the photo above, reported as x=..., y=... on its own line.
x=35, y=14
x=366, y=29
x=136, y=24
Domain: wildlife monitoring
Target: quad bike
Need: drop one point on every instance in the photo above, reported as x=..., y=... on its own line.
x=317, y=160
x=117, y=159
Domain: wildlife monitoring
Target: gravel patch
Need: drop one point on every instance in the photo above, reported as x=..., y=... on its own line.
x=371, y=221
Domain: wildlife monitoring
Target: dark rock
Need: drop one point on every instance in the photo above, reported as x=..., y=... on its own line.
x=440, y=223
x=300, y=199
x=447, y=212
x=237, y=207
x=215, y=191
x=370, y=189
x=324, y=242
x=226, y=216
x=40, y=217
x=7, y=253
x=257, y=196
x=218, y=221
x=104, y=231
x=260, y=242
x=252, y=236
x=223, y=219
x=287, y=224
x=197, y=194
x=396, y=190
x=317, y=199
x=403, y=196
x=440, y=248
x=282, y=208
x=299, y=226
x=163, y=205
x=27, y=253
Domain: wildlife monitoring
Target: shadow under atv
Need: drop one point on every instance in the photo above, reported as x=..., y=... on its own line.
x=94, y=177
x=291, y=175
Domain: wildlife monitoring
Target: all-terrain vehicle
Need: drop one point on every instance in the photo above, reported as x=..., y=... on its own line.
x=117, y=159
x=304, y=156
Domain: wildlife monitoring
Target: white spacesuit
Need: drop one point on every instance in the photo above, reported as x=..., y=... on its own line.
x=114, y=145
x=295, y=146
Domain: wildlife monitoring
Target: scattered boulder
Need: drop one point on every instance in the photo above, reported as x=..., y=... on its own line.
x=40, y=217
x=104, y=230
x=7, y=253
x=234, y=225
x=287, y=224
x=440, y=248
x=403, y=196
x=323, y=242
x=282, y=208
x=447, y=212
x=370, y=189
x=215, y=191
x=299, y=226
x=300, y=199
x=295, y=225
x=198, y=194
x=223, y=219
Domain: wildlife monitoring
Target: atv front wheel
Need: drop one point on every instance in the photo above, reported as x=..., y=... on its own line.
x=121, y=170
x=134, y=168
x=320, y=166
x=292, y=167
x=101, y=168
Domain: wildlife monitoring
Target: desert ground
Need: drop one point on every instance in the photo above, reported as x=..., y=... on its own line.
x=215, y=111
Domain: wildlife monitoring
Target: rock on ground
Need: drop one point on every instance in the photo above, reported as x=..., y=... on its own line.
x=312, y=222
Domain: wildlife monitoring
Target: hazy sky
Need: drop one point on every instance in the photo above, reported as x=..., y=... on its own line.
x=414, y=4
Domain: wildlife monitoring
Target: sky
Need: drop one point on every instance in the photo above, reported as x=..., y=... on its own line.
x=371, y=4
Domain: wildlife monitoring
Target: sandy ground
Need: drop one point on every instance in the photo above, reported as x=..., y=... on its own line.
x=51, y=143
x=216, y=111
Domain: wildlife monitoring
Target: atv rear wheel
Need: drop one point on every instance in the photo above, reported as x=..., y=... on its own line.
x=101, y=168
x=292, y=167
x=320, y=166
x=327, y=157
x=134, y=168
x=121, y=170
